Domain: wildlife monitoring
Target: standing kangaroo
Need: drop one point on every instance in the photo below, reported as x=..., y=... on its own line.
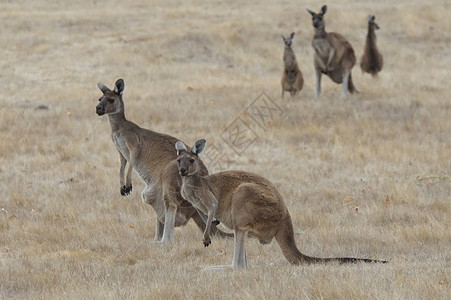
x=244, y=202
x=148, y=153
x=371, y=61
x=334, y=55
x=292, y=80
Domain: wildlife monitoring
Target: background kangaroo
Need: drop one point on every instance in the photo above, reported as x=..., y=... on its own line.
x=371, y=61
x=148, y=153
x=334, y=55
x=244, y=202
x=292, y=80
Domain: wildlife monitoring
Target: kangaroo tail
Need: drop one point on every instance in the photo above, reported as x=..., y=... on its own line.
x=285, y=238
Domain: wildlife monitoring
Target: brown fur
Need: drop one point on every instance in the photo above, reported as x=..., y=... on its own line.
x=148, y=153
x=292, y=80
x=371, y=61
x=334, y=55
x=246, y=203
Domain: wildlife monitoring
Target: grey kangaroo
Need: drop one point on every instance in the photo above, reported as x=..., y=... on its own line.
x=292, y=80
x=334, y=55
x=149, y=153
x=371, y=61
x=246, y=203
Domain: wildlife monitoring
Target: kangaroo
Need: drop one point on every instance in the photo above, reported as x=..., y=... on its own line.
x=334, y=55
x=292, y=80
x=148, y=153
x=245, y=203
x=371, y=61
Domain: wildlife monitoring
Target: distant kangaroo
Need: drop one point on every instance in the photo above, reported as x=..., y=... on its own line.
x=148, y=153
x=334, y=55
x=371, y=61
x=292, y=80
x=244, y=202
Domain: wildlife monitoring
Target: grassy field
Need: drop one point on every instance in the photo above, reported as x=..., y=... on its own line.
x=367, y=176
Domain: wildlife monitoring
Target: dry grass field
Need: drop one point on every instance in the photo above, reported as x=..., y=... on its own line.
x=367, y=176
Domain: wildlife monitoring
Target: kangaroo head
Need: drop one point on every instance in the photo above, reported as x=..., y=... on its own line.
x=111, y=101
x=372, y=22
x=188, y=161
x=288, y=40
x=317, y=18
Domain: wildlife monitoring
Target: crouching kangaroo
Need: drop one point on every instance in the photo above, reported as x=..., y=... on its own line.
x=292, y=80
x=148, y=153
x=334, y=55
x=244, y=202
x=371, y=61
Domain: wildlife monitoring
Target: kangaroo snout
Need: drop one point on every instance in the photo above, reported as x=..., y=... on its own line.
x=317, y=23
x=183, y=172
x=100, y=110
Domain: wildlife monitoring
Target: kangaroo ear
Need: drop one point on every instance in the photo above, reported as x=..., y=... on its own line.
x=198, y=147
x=119, y=86
x=292, y=36
x=179, y=146
x=283, y=37
x=311, y=12
x=323, y=9
x=103, y=88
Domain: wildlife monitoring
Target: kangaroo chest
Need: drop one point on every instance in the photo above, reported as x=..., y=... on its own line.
x=289, y=59
x=189, y=194
x=121, y=145
x=322, y=48
x=193, y=195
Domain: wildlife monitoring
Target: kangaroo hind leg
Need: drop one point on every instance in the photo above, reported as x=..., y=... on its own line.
x=344, y=91
x=239, y=254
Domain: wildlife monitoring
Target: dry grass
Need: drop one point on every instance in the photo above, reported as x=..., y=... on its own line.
x=368, y=176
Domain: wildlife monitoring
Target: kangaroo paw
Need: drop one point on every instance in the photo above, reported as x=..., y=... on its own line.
x=126, y=190
x=206, y=241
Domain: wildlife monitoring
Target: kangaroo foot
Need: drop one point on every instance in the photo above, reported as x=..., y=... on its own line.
x=219, y=268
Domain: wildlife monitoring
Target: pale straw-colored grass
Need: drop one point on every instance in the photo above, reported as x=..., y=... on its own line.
x=368, y=176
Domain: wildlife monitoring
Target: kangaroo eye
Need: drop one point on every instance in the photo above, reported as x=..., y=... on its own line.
x=100, y=99
x=111, y=100
x=191, y=160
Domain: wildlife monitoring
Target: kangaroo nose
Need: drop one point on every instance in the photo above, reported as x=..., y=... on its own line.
x=182, y=171
x=99, y=110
